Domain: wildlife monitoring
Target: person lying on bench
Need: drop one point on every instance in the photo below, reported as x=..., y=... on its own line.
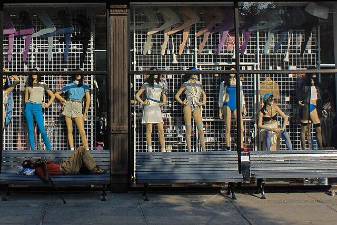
x=80, y=159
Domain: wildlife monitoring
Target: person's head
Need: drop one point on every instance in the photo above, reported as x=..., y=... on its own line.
x=33, y=78
x=153, y=77
x=5, y=82
x=78, y=77
x=268, y=99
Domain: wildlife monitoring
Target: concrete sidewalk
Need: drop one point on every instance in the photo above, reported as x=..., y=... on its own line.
x=169, y=209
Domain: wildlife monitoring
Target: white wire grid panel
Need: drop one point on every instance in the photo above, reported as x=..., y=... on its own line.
x=15, y=135
x=287, y=57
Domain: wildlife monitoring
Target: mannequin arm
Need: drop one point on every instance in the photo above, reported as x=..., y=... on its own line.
x=138, y=94
x=51, y=100
x=164, y=99
x=284, y=116
x=60, y=98
x=177, y=96
x=87, y=103
x=11, y=88
x=204, y=97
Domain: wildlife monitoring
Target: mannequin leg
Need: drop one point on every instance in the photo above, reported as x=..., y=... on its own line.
x=161, y=136
x=228, y=116
x=198, y=120
x=80, y=126
x=149, y=136
x=30, y=125
x=317, y=124
x=242, y=127
x=188, y=125
x=38, y=115
x=69, y=124
x=286, y=138
x=186, y=33
x=269, y=136
x=304, y=131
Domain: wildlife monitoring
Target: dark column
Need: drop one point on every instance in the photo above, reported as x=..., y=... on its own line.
x=118, y=95
x=1, y=74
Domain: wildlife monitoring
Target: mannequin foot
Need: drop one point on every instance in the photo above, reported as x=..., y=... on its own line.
x=72, y=149
x=149, y=148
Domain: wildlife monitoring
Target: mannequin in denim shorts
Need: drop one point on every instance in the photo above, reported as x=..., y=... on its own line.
x=75, y=91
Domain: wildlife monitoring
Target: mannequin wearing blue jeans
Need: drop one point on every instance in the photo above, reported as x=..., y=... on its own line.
x=34, y=93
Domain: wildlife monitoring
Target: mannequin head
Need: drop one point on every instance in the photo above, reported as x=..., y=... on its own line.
x=268, y=99
x=311, y=80
x=152, y=78
x=78, y=78
x=193, y=76
x=33, y=78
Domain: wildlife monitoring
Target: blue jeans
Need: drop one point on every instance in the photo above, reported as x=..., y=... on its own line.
x=285, y=137
x=33, y=112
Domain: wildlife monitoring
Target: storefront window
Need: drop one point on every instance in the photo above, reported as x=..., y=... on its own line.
x=63, y=39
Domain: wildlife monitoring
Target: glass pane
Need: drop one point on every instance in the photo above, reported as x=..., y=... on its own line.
x=178, y=39
x=68, y=37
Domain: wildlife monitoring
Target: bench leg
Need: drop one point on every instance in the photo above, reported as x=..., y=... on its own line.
x=7, y=193
x=231, y=188
x=146, y=186
x=263, y=195
x=103, y=195
x=258, y=186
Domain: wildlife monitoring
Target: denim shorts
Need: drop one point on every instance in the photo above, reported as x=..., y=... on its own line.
x=72, y=109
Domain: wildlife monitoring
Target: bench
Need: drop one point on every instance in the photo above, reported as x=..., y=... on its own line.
x=292, y=165
x=12, y=159
x=168, y=168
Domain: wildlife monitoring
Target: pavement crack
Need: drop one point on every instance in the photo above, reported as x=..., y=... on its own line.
x=238, y=209
x=142, y=212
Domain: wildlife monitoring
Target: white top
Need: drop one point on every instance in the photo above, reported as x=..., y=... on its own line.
x=313, y=93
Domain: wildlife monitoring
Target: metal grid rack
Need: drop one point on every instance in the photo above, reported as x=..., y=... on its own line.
x=254, y=58
x=15, y=135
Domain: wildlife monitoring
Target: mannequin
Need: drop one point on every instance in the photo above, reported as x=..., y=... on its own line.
x=170, y=19
x=213, y=16
x=195, y=99
x=228, y=107
x=152, y=22
x=308, y=100
x=155, y=98
x=7, y=91
x=269, y=125
x=76, y=91
x=34, y=94
x=190, y=17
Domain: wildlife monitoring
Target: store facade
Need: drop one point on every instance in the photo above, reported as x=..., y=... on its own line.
x=171, y=78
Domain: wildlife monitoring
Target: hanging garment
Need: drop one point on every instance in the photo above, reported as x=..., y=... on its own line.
x=9, y=106
x=84, y=35
x=49, y=28
x=67, y=30
x=9, y=29
x=26, y=32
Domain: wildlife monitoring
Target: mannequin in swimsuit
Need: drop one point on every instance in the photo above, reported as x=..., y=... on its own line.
x=269, y=125
x=308, y=103
x=155, y=98
x=195, y=99
x=228, y=107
